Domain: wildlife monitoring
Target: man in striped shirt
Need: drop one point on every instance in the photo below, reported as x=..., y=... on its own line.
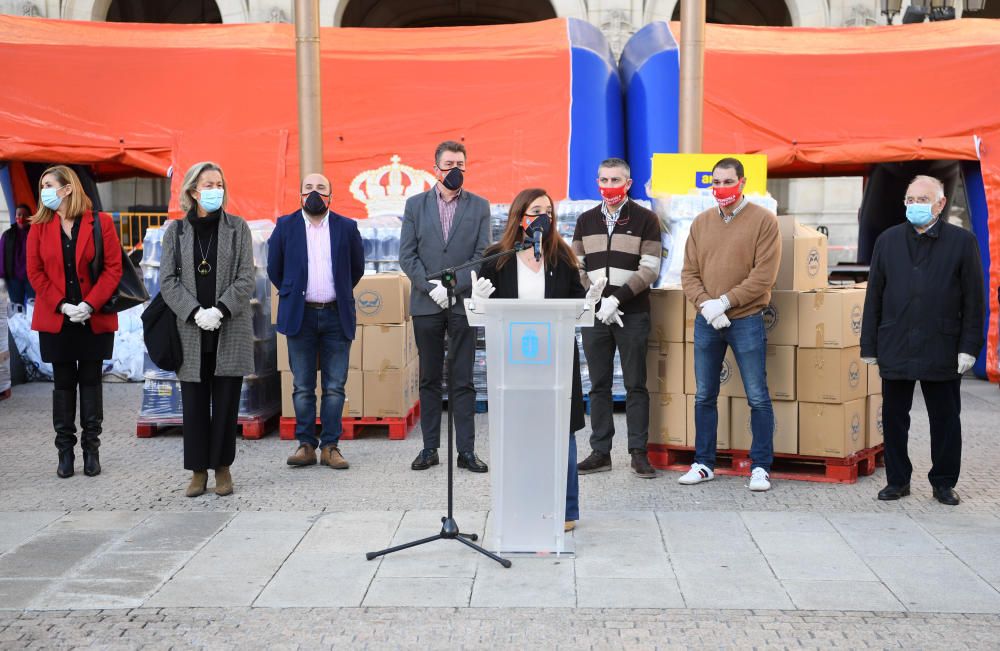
x=618, y=240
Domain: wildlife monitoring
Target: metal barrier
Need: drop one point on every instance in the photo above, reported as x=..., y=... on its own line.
x=132, y=227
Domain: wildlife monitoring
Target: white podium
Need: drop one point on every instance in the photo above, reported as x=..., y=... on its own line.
x=529, y=373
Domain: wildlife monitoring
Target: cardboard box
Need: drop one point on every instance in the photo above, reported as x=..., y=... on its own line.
x=690, y=312
x=667, y=419
x=780, y=373
x=786, y=426
x=874, y=380
x=355, y=390
x=388, y=346
x=832, y=430
x=831, y=375
x=781, y=318
x=730, y=382
x=355, y=358
x=352, y=402
x=803, y=260
x=722, y=432
x=666, y=316
x=665, y=368
x=873, y=432
x=831, y=318
x=383, y=298
x=389, y=392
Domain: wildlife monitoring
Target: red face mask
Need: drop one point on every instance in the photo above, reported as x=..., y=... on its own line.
x=726, y=195
x=21, y=221
x=614, y=196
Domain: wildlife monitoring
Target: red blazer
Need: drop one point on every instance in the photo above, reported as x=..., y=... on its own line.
x=45, y=271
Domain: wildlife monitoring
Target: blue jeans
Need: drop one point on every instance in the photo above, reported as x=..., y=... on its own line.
x=748, y=340
x=572, y=483
x=321, y=336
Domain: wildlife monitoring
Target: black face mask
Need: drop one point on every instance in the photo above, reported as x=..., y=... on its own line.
x=453, y=179
x=540, y=223
x=316, y=203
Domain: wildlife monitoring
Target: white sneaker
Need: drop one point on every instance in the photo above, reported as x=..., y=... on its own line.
x=698, y=473
x=760, y=480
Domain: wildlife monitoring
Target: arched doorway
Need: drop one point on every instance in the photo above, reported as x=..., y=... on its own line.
x=172, y=11
x=442, y=13
x=744, y=12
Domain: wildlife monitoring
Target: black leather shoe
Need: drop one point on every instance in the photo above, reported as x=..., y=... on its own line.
x=596, y=462
x=428, y=457
x=91, y=463
x=641, y=465
x=946, y=495
x=893, y=492
x=471, y=462
x=66, y=459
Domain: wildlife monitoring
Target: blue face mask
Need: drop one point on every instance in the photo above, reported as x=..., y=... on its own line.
x=211, y=199
x=50, y=199
x=919, y=214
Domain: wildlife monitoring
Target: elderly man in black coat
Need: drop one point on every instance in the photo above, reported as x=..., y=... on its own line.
x=923, y=321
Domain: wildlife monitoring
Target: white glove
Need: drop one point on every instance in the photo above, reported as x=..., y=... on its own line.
x=871, y=361
x=68, y=309
x=482, y=288
x=83, y=312
x=721, y=321
x=712, y=309
x=595, y=291
x=965, y=362
x=210, y=319
x=609, y=312
x=439, y=294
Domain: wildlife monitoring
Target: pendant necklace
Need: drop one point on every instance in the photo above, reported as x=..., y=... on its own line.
x=204, y=268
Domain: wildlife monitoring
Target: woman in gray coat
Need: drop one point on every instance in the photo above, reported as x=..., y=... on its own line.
x=207, y=279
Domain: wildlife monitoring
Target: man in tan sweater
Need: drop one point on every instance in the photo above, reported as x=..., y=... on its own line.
x=730, y=264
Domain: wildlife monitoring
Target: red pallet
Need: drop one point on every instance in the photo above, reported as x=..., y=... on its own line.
x=4, y=394
x=786, y=466
x=399, y=426
x=251, y=427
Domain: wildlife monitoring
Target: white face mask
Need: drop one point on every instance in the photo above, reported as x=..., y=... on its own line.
x=50, y=198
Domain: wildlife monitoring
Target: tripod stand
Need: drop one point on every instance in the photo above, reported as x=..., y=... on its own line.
x=449, y=528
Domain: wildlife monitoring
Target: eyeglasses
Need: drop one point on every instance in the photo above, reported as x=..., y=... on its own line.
x=909, y=201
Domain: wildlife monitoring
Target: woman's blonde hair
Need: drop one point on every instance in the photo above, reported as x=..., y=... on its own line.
x=190, y=183
x=77, y=202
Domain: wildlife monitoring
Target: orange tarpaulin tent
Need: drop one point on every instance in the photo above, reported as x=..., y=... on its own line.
x=822, y=102
x=154, y=99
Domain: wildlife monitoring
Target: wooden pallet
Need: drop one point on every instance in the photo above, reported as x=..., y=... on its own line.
x=398, y=426
x=786, y=466
x=251, y=427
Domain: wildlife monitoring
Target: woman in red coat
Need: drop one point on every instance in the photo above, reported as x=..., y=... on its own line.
x=75, y=337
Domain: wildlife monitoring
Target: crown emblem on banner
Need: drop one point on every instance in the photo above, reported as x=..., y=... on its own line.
x=384, y=190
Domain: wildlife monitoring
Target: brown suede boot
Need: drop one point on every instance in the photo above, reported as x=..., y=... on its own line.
x=223, y=481
x=199, y=481
x=332, y=457
x=304, y=456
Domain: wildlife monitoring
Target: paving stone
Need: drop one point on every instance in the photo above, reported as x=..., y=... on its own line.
x=319, y=580
x=735, y=581
x=843, y=595
x=628, y=593
x=407, y=591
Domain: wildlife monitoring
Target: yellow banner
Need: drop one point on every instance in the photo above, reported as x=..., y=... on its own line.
x=681, y=173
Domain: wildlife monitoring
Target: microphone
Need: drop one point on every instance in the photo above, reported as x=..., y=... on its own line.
x=536, y=241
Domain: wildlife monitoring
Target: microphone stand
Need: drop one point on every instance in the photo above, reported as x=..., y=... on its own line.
x=449, y=528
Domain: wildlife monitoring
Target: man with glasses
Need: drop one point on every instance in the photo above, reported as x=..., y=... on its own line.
x=618, y=241
x=923, y=320
x=315, y=258
x=730, y=264
x=444, y=227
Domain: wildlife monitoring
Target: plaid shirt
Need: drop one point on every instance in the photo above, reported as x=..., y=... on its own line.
x=447, y=211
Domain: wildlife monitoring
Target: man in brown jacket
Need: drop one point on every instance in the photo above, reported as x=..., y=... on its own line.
x=730, y=264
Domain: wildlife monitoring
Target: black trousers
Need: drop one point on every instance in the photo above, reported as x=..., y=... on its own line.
x=944, y=408
x=211, y=408
x=599, y=344
x=429, y=331
x=68, y=375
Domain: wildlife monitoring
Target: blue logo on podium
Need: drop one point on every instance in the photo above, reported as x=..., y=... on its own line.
x=529, y=343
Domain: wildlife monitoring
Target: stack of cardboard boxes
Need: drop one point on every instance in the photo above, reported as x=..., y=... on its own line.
x=383, y=373
x=818, y=385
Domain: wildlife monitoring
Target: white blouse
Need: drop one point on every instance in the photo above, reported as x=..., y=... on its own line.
x=530, y=283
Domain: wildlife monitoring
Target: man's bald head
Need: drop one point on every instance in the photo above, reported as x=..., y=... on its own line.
x=316, y=182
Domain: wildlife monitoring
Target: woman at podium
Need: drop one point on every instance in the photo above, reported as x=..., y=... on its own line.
x=549, y=269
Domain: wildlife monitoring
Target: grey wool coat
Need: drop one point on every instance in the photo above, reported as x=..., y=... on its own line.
x=234, y=286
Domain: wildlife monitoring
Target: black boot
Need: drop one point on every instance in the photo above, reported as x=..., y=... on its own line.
x=64, y=423
x=91, y=419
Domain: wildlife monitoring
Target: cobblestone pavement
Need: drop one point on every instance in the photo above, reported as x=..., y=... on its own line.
x=141, y=474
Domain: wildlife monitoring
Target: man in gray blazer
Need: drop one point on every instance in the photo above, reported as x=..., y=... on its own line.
x=444, y=227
